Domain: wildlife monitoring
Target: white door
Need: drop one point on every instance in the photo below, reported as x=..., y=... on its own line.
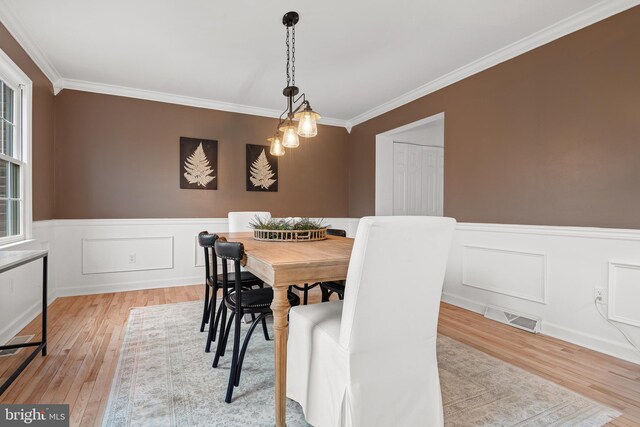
x=418, y=179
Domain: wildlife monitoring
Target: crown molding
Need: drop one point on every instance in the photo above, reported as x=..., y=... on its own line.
x=589, y=16
x=12, y=24
x=348, y=125
x=170, y=98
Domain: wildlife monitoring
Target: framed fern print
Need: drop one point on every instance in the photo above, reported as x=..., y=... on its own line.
x=262, y=169
x=198, y=163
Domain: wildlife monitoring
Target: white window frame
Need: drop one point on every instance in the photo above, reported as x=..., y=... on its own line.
x=12, y=74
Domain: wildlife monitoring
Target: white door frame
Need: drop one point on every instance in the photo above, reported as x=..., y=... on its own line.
x=384, y=163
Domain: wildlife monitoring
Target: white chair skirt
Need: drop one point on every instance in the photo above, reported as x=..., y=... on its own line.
x=340, y=389
x=316, y=366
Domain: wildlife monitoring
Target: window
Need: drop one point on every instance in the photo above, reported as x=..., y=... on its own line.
x=10, y=163
x=15, y=173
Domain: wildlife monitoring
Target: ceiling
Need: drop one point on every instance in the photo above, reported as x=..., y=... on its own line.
x=354, y=58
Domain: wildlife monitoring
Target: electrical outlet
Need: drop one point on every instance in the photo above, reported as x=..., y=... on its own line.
x=600, y=294
x=132, y=258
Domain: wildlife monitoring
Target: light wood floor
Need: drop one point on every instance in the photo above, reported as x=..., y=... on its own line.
x=85, y=334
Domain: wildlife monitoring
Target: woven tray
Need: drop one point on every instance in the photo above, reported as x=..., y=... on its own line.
x=290, y=235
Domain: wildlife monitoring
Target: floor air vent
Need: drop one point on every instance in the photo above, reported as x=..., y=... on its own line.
x=526, y=322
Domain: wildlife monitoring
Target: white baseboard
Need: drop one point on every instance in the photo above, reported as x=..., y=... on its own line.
x=14, y=328
x=129, y=286
x=592, y=342
x=462, y=302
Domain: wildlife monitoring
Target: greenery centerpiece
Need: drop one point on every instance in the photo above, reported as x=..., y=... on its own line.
x=288, y=229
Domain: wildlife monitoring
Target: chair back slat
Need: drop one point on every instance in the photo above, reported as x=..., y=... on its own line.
x=231, y=252
x=207, y=241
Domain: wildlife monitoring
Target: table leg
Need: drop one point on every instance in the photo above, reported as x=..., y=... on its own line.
x=280, y=307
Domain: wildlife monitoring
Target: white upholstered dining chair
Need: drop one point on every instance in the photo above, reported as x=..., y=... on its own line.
x=239, y=221
x=370, y=360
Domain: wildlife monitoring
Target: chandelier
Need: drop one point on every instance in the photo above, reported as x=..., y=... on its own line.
x=287, y=132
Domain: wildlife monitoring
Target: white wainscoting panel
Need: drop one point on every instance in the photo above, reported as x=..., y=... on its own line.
x=21, y=288
x=570, y=261
x=576, y=260
x=119, y=254
x=509, y=272
x=78, y=273
x=198, y=255
x=90, y=256
x=624, y=293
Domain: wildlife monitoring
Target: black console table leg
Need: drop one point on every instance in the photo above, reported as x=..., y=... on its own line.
x=10, y=260
x=45, y=298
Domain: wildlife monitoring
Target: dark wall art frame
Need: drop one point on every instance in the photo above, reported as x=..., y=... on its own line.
x=262, y=169
x=198, y=163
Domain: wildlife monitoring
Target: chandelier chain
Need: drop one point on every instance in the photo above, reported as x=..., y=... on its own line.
x=286, y=135
x=288, y=58
x=293, y=55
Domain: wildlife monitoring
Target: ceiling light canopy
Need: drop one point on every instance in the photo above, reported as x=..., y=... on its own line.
x=307, y=126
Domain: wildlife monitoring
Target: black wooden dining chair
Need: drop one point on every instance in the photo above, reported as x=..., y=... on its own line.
x=307, y=287
x=337, y=287
x=305, y=290
x=213, y=282
x=240, y=301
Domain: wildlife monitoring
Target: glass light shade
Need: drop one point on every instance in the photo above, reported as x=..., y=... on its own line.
x=276, y=146
x=289, y=135
x=308, y=127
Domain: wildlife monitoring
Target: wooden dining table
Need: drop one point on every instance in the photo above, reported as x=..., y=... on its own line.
x=281, y=264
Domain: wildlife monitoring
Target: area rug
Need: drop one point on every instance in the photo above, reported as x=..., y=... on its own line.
x=164, y=378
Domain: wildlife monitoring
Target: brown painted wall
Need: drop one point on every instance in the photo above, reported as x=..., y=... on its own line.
x=551, y=137
x=119, y=158
x=42, y=130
